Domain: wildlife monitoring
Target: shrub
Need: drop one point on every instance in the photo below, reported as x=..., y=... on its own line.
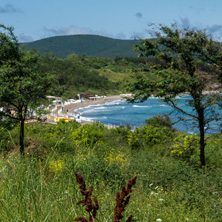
x=149, y=135
x=89, y=135
x=134, y=138
x=160, y=121
x=184, y=146
x=155, y=135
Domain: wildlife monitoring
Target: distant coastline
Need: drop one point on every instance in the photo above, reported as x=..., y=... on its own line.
x=72, y=109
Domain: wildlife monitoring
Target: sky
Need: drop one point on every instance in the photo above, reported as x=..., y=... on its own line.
x=120, y=19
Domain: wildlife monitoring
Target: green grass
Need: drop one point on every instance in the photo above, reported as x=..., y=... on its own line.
x=42, y=185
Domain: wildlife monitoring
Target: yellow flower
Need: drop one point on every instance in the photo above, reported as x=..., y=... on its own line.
x=56, y=165
x=116, y=158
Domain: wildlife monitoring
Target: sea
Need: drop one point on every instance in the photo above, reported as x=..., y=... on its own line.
x=120, y=112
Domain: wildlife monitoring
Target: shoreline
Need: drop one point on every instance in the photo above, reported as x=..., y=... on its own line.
x=70, y=109
x=85, y=103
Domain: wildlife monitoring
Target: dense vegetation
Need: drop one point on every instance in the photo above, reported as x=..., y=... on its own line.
x=76, y=74
x=170, y=185
x=91, y=45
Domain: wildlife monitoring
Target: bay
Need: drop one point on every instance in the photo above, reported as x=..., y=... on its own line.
x=120, y=112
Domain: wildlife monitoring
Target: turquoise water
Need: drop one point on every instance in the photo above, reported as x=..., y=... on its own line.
x=121, y=113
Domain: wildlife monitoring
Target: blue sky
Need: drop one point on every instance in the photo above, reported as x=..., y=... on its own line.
x=122, y=19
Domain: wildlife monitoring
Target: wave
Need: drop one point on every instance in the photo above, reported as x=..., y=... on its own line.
x=82, y=118
x=115, y=102
x=102, y=107
x=137, y=106
x=155, y=106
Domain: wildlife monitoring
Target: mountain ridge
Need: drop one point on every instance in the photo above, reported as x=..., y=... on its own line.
x=91, y=45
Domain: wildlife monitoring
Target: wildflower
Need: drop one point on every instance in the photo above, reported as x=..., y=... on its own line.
x=161, y=199
x=56, y=165
x=158, y=219
x=116, y=158
x=151, y=185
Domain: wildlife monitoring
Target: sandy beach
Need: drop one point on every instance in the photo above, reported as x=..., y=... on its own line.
x=92, y=102
x=69, y=109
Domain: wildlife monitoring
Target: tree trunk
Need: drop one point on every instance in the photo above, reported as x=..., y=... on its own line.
x=22, y=123
x=202, y=137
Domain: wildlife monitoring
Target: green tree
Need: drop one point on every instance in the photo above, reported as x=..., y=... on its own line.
x=188, y=62
x=22, y=87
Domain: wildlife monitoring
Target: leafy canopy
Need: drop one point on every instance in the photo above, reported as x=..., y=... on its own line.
x=188, y=62
x=23, y=87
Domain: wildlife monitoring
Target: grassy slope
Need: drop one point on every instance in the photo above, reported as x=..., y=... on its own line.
x=43, y=187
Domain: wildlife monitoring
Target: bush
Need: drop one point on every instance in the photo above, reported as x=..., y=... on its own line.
x=160, y=121
x=89, y=135
x=184, y=146
x=134, y=139
x=155, y=135
x=149, y=135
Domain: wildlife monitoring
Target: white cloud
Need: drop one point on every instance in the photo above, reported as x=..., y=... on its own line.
x=73, y=30
x=64, y=31
x=24, y=38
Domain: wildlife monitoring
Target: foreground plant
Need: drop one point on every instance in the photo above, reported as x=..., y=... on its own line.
x=122, y=199
x=90, y=207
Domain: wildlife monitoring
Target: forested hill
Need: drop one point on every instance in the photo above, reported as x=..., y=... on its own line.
x=91, y=45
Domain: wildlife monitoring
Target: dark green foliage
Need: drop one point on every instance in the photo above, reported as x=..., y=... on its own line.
x=122, y=131
x=22, y=86
x=181, y=53
x=72, y=74
x=160, y=121
x=91, y=45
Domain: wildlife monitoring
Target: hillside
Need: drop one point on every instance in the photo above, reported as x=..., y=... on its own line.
x=91, y=45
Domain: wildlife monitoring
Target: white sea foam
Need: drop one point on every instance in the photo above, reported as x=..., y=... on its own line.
x=116, y=102
x=102, y=107
x=91, y=111
x=137, y=106
x=82, y=118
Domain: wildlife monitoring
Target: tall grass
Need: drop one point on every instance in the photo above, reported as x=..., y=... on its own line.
x=42, y=185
